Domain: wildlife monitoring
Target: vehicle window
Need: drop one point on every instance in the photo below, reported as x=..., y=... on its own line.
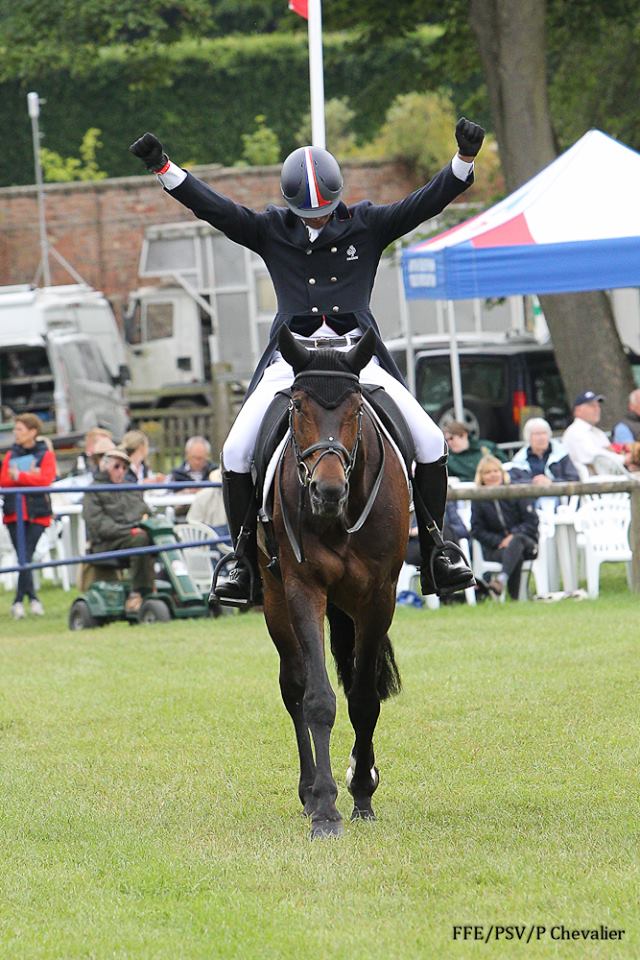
x=93, y=362
x=547, y=391
x=73, y=362
x=159, y=321
x=635, y=369
x=483, y=379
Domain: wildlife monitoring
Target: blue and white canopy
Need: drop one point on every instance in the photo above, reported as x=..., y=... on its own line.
x=574, y=226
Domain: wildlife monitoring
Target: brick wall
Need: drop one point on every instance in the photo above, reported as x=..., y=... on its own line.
x=98, y=227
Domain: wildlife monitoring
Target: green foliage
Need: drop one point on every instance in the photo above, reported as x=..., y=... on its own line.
x=338, y=122
x=261, y=147
x=418, y=130
x=201, y=96
x=65, y=169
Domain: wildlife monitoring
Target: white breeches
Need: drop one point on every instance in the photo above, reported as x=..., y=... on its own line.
x=238, y=449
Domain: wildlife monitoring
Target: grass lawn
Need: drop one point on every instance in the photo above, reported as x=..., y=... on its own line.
x=148, y=803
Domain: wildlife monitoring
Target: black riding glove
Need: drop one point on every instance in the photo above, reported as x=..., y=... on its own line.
x=469, y=136
x=150, y=151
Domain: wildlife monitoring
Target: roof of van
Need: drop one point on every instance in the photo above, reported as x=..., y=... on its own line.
x=62, y=295
x=494, y=342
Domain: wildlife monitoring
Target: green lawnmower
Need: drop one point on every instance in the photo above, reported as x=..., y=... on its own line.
x=175, y=595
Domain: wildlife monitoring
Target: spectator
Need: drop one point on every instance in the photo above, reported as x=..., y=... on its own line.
x=208, y=507
x=627, y=430
x=112, y=519
x=587, y=445
x=542, y=460
x=507, y=530
x=197, y=463
x=99, y=436
x=465, y=452
x=29, y=463
x=135, y=443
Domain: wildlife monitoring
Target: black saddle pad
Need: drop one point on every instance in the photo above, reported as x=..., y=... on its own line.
x=392, y=419
x=272, y=430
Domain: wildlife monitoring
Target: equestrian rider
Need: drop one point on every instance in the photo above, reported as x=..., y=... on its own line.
x=322, y=257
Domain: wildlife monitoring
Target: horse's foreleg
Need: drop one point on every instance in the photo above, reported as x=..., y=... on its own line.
x=292, y=684
x=306, y=612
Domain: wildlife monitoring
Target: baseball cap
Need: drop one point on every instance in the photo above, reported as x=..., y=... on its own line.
x=587, y=397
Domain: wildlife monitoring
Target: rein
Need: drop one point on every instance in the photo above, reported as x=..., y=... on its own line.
x=305, y=475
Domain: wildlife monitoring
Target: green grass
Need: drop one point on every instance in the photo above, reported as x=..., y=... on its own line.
x=148, y=803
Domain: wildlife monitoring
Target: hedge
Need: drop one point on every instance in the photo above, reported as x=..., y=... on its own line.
x=201, y=96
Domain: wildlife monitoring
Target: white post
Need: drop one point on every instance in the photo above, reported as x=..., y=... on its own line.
x=456, y=380
x=316, y=74
x=33, y=106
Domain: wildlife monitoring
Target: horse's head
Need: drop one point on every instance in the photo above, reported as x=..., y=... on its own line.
x=326, y=417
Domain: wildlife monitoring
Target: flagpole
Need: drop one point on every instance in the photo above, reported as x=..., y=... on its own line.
x=316, y=74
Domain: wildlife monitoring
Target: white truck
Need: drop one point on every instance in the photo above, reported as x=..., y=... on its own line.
x=62, y=357
x=209, y=315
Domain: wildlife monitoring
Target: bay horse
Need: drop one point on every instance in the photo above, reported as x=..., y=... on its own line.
x=340, y=520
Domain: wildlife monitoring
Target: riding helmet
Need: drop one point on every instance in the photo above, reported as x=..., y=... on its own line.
x=311, y=182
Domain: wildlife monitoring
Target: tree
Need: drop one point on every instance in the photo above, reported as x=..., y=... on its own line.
x=515, y=51
x=65, y=169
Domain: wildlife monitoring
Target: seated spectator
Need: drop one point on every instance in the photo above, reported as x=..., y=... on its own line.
x=507, y=530
x=197, y=463
x=465, y=452
x=589, y=447
x=542, y=460
x=93, y=438
x=135, y=444
x=627, y=430
x=208, y=507
x=29, y=463
x=112, y=518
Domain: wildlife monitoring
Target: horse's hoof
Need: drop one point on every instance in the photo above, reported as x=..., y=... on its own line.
x=324, y=829
x=308, y=808
x=363, y=814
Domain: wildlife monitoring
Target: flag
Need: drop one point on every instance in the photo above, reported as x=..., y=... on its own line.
x=301, y=7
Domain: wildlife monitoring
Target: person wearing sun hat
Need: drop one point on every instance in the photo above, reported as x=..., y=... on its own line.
x=587, y=445
x=112, y=517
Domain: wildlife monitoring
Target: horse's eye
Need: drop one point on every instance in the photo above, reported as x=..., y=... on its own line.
x=297, y=405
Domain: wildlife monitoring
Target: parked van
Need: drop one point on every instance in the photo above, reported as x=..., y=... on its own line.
x=62, y=358
x=505, y=380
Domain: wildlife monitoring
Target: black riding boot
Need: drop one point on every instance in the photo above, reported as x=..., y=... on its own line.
x=444, y=569
x=242, y=584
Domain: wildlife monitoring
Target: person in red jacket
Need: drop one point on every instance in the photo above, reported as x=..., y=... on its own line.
x=29, y=463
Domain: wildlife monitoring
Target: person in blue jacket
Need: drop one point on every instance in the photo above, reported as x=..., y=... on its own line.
x=507, y=530
x=322, y=256
x=542, y=460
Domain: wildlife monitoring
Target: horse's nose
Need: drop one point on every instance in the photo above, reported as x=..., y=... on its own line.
x=328, y=495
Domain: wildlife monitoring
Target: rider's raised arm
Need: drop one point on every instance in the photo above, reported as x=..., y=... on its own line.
x=239, y=223
x=394, y=220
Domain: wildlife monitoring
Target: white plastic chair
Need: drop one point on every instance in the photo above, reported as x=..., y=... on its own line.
x=603, y=523
x=51, y=546
x=480, y=566
x=198, y=559
x=7, y=558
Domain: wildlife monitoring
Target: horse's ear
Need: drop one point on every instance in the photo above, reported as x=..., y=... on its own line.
x=358, y=357
x=293, y=352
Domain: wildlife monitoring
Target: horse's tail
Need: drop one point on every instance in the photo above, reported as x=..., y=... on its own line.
x=342, y=639
x=389, y=682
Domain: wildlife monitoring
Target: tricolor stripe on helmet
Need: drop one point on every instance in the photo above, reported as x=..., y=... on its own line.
x=313, y=197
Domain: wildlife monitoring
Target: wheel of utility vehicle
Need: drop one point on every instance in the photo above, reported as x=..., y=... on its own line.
x=154, y=611
x=80, y=617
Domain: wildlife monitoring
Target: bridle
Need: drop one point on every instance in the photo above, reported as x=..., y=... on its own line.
x=330, y=445
x=348, y=460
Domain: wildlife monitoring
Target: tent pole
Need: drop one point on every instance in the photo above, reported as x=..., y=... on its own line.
x=405, y=322
x=456, y=380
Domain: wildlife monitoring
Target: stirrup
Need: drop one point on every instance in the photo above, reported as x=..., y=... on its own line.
x=255, y=593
